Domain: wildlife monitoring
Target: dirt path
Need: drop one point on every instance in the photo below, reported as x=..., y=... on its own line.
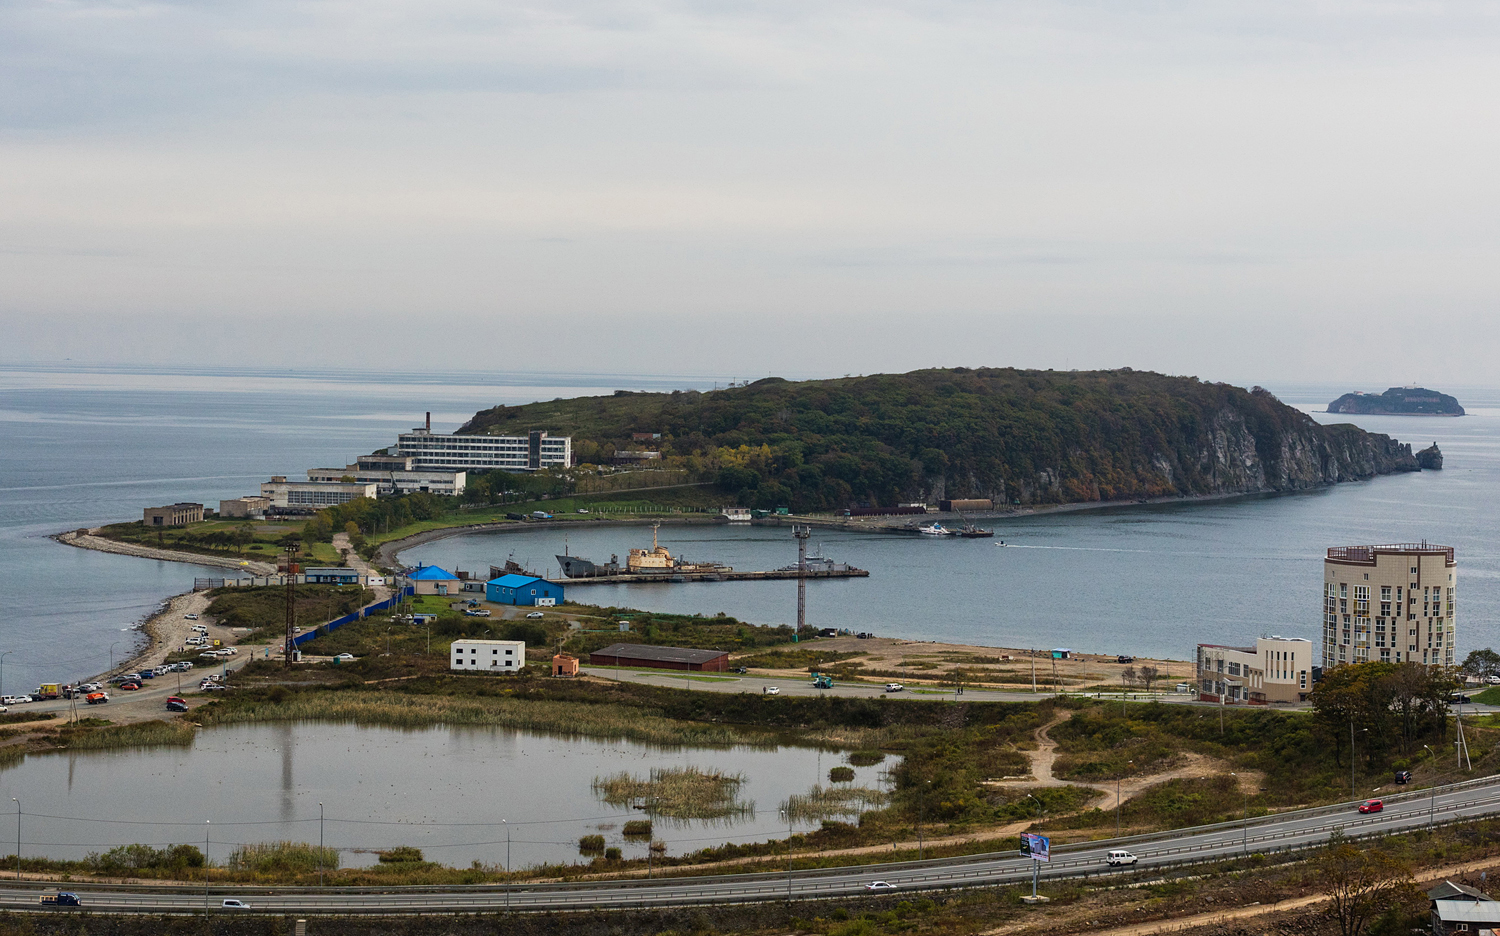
x=1220, y=917
x=358, y=564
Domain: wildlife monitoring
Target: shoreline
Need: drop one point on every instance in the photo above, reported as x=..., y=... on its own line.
x=165, y=627
x=388, y=553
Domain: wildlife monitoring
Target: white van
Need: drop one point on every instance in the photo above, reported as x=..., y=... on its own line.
x=1120, y=857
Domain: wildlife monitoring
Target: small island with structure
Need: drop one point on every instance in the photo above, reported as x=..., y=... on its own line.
x=1397, y=401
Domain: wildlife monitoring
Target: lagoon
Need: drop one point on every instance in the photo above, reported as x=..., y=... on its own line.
x=452, y=792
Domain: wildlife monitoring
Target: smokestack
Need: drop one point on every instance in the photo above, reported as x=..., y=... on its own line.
x=429, y=421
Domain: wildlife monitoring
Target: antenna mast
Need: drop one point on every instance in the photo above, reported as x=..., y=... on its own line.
x=802, y=533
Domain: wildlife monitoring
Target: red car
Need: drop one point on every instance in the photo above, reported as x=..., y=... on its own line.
x=1371, y=805
x=130, y=685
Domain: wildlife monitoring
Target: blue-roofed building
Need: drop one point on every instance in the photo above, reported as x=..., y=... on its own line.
x=431, y=580
x=523, y=590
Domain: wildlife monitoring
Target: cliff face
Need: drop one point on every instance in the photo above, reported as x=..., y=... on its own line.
x=1016, y=437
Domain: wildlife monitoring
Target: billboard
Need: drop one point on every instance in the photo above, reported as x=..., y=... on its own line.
x=1037, y=847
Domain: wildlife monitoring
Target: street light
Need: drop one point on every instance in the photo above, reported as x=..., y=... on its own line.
x=1353, y=793
x=1432, y=801
x=788, y=814
x=207, y=826
x=921, y=811
x=2, y=669
x=507, y=863
x=112, y=655
x=1128, y=764
x=18, y=836
x=320, y=844
x=1245, y=819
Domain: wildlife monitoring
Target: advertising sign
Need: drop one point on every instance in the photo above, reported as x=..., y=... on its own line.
x=1039, y=847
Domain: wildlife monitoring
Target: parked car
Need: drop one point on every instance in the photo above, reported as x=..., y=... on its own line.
x=231, y=904
x=482, y=612
x=1119, y=857
x=1371, y=805
x=175, y=704
x=191, y=617
x=1492, y=680
x=535, y=614
x=23, y=699
x=741, y=669
x=9, y=700
x=130, y=686
x=1403, y=776
x=130, y=677
x=880, y=886
x=212, y=687
x=1124, y=658
x=894, y=687
x=60, y=899
x=1458, y=698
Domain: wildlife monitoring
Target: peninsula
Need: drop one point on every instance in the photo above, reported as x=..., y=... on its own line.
x=1017, y=438
x=1397, y=401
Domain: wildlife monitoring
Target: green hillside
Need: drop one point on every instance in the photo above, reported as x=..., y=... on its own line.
x=1014, y=436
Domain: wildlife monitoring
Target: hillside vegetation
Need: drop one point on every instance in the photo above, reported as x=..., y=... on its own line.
x=1018, y=437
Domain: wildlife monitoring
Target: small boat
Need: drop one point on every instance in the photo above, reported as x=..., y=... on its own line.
x=935, y=529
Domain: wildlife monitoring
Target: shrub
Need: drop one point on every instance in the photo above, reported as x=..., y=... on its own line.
x=612, y=854
x=591, y=844
x=283, y=857
x=841, y=775
x=638, y=827
x=401, y=854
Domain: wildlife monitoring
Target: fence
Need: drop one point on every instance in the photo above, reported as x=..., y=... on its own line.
x=350, y=618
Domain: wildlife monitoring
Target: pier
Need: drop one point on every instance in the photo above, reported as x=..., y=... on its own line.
x=627, y=578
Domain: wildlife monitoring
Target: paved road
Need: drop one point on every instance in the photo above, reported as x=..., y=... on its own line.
x=1155, y=851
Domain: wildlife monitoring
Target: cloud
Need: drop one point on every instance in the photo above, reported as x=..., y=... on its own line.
x=728, y=180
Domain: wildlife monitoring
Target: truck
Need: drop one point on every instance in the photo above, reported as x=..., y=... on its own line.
x=822, y=681
x=540, y=515
x=48, y=690
x=60, y=899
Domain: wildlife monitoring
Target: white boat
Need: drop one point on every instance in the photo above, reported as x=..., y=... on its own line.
x=934, y=529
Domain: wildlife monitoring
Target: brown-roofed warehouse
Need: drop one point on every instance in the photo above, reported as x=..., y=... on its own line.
x=678, y=658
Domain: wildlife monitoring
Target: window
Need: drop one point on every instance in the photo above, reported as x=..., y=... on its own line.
x=1413, y=570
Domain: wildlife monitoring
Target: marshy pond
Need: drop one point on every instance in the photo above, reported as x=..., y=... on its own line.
x=457, y=793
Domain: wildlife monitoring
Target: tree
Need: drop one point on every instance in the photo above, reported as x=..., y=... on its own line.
x=1128, y=676
x=1148, y=675
x=1481, y=663
x=1363, y=882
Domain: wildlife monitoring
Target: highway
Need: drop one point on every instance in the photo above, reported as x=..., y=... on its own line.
x=1156, y=851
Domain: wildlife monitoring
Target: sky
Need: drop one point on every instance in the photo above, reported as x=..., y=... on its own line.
x=1246, y=191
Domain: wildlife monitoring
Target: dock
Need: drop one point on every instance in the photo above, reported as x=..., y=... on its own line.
x=673, y=578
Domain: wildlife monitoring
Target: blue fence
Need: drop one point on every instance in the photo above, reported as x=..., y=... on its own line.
x=334, y=625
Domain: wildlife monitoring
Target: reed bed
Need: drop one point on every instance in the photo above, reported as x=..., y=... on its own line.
x=578, y=719
x=141, y=734
x=283, y=858
x=822, y=802
x=677, y=793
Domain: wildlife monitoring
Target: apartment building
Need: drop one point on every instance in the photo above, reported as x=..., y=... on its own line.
x=1275, y=669
x=308, y=496
x=1394, y=603
x=393, y=481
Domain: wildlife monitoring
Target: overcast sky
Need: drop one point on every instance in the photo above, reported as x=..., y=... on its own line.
x=1239, y=190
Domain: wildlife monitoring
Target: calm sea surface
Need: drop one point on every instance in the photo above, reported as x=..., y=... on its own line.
x=79, y=446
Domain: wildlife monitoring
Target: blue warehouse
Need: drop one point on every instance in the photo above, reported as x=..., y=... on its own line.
x=522, y=590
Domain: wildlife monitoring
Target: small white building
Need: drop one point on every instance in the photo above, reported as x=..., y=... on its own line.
x=487, y=656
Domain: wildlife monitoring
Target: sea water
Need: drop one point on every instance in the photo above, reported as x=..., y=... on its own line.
x=80, y=446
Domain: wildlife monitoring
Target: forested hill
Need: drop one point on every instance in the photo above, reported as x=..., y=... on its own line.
x=1014, y=436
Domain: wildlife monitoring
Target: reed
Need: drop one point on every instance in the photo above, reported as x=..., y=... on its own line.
x=397, y=710
x=637, y=828
x=141, y=734
x=822, y=802
x=591, y=844
x=865, y=758
x=677, y=792
x=841, y=775
x=283, y=858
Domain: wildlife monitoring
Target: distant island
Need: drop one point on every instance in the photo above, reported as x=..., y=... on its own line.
x=1397, y=401
x=1013, y=437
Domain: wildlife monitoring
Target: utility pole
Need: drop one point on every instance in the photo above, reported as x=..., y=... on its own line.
x=802, y=533
x=291, y=601
x=1033, y=669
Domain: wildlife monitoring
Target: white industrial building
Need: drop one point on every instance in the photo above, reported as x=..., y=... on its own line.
x=310, y=495
x=394, y=480
x=487, y=656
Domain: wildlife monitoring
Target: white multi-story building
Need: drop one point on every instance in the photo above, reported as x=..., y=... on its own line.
x=436, y=451
x=394, y=482
x=487, y=656
x=1393, y=604
x=1276, y=669
x=310, y=495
